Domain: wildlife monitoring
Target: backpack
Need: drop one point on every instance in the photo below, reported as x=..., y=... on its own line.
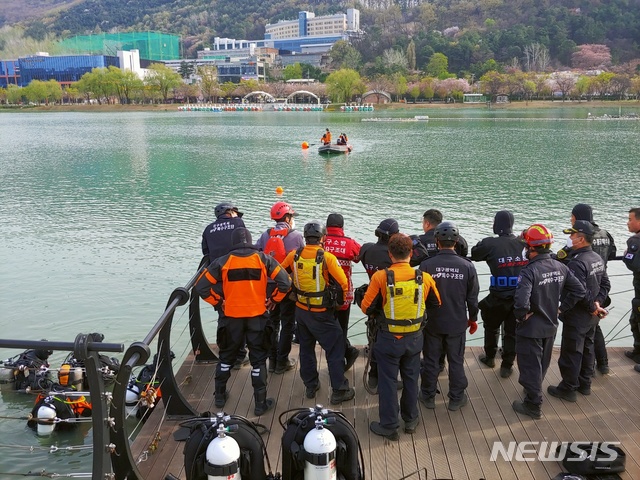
x=275, y=245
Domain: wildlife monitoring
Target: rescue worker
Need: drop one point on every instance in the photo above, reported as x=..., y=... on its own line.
x=604, y=245
x=577, y=357
x=398, y=296
x=631, y=259
x=216, y=238
x=278, y=241
x=374, y=257
x=457, y=282
x=237, y=284
x=326, y=138
x=503, y=255
x=430, y=220
x=346, y=250
x=216, y=242
x=319, y=285
x=542, y=284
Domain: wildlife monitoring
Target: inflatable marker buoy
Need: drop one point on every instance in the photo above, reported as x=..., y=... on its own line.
x=305, y=145
x=280, y=190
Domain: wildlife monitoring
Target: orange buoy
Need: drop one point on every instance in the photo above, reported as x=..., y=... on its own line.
x=305, y=145
x=279, y=190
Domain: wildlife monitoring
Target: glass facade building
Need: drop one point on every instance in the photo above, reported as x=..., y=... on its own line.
x=9, y=73
x=64, y=69
x=151, y=45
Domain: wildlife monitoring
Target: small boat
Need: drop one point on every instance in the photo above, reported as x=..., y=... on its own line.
x=334, y=148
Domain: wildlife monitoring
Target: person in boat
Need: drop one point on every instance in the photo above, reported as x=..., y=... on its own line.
x=342, y=139
x=319, y=285
x=278, y=241
x=604, y=245
x=399, y=296
x=631, y=259
x=374, y=257
x=577, y=356
x=216, y=242
x=503, y=255
x=236, y=284
x=326, y=138
x=542, y=283
x=346, y=250
x=445, y=332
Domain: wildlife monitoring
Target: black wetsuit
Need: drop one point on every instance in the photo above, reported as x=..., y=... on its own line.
x=504, y=256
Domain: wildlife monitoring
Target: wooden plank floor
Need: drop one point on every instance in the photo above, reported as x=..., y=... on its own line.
x=447, y=445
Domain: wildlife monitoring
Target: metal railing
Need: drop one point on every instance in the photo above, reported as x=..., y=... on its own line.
x=175, y=405
x=86, y=349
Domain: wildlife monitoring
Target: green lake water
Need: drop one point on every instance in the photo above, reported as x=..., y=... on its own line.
x=101, y=214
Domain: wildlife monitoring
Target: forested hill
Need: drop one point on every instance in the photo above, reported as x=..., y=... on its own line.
x=467, y=32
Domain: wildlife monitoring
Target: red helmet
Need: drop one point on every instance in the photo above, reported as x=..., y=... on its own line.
x=280, y=209
x=537, y=235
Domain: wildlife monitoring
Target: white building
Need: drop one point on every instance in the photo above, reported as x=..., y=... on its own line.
x=308, y=25
x=131, y=61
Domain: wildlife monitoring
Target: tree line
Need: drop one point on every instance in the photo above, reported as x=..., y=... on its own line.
x=162, y=85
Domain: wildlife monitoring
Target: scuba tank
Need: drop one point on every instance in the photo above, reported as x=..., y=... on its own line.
x=208, y=453
x=132, y=397
x=45, y=416
x=71, y=375
x=223, y=455
x=320, y=451
x=320, y=444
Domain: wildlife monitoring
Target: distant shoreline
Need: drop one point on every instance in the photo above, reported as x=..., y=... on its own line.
x=396, y=106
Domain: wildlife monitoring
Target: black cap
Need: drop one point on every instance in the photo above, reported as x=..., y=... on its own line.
x=503, y=222
x=581, y=226
x=241, y=237
x=582, y=211
x=388, y=227
x=335, y=220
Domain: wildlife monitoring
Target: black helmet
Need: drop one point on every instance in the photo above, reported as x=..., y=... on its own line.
x=387, y=227
x=314, y=229
x=447, y=231
x=224, y=207
x=241, y=237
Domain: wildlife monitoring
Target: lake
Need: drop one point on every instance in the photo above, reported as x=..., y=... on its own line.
x=101, y=214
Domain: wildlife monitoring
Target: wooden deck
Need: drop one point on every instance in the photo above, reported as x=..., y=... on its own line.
x=447, y=445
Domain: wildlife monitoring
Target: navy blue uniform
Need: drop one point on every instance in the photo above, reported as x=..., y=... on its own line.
x=540, y=285
x=577, y=355
x=631, y=259
x=428, y=239
x=216, y=238
x=505, y=259
x=457, y=282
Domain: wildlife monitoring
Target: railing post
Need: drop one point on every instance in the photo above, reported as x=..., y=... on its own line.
x=124, y=466
x=174, y=402
x=199, y=343
x=99, y=405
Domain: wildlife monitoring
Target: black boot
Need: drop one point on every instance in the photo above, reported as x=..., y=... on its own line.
x=603, y=365
x=263, y=404
x=221, y=396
